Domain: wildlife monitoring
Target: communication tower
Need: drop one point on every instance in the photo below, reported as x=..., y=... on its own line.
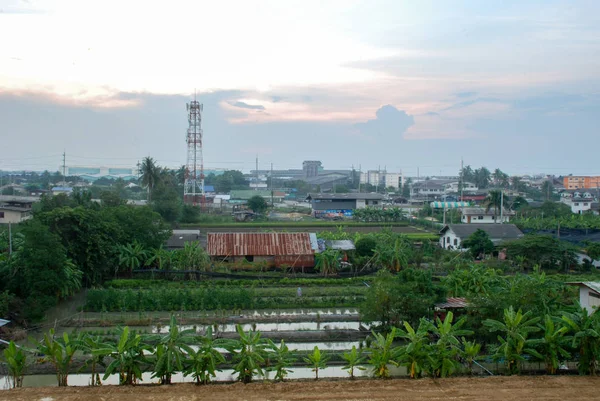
x=193, y=192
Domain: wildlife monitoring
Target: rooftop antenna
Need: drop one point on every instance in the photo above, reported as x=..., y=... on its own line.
x=193, y=189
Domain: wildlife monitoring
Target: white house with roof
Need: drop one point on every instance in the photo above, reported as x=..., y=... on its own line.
x=589, y=294
x=453, y=235
x=479, y=215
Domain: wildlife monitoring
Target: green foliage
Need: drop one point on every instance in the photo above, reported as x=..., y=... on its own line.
x=514, y=337
x=16, y=362
x=372, y=214
x=479, y=244
x=88, y=345
x=317, y=360
x=132, y=256
x=249, y=353
x=365, y=246
x=327, y=262
x=282, y=359
x=202, y=364
x=543, y=250
x=59, y=352
x=446, y=350
x=552, y=346
x=584, y=333
x=354, y=360
x=470, y=353
x=257, y=204
x=414, y=355
x=171, y=351
x=382, y=353
x=128, y=359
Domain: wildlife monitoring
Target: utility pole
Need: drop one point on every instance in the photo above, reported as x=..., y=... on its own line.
x=272, y=185
x=64, y=169
x=462, y=182
x=10, y=239
x=256, y=183
x=501, y=206
x=359, y=176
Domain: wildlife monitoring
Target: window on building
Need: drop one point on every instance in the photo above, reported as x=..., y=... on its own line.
x=585, y=204
x=480, y=217
x=576, y=203
x=249, y=258
x=455, y=241
x=1, y=215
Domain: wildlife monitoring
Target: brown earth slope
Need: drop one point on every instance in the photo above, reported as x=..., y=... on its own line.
x=492, y=388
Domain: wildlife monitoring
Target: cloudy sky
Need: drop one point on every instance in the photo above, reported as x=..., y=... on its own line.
x=396, y=84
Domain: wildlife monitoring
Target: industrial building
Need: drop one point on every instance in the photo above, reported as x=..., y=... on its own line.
x=342, y=205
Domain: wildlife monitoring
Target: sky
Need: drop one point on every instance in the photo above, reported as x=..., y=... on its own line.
x=402, y=85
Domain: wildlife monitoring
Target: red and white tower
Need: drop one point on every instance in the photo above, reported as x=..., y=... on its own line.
x=193, y=192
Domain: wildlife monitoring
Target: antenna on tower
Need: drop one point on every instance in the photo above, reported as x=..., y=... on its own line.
x=193, y=188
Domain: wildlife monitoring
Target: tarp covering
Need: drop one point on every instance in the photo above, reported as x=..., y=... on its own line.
x=448, y=205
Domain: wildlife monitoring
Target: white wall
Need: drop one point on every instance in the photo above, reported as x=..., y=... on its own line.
x=14, y=217
x=580, y=206
x=448, y=240
x=475, y=219
x=587, y=298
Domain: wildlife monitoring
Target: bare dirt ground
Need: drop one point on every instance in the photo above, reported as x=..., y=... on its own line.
x=492, y=388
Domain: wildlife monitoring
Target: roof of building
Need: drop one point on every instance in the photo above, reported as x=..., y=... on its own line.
x=592, y=285
x=325, y=179
x=480, y=211
x=249, y=193
x=15, y=209
x=209, y=188
x=178, y=240
x=62, y=189
x=453, y=303
x=350, y=196
x=497, y=232
x=259, y=244
x=342, y=245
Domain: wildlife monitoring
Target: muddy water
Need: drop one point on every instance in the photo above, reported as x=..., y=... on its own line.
x=224, y=376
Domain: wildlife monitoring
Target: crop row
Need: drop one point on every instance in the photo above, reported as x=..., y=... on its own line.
x=214, y=298
x=278, y=282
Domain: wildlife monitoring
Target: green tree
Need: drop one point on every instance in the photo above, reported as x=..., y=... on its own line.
x=149, y=175
x=479, y=244
x=365, y=246
x=248, y=355
x=111, y=199
x=257, y=204
x=327, y=261
x=494, y=201
x=171, y=351
x=584, y=333
x=406, y=188
x=316, y=360
x=16, y=361
x=446, y=350
x=514, y=340
x=415, y=354
x=282, y=359
x=132, y=256
x=354, y=360
x=166, y=201
x=547, y=189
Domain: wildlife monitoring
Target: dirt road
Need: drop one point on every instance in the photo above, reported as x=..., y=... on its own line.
x=492, y=388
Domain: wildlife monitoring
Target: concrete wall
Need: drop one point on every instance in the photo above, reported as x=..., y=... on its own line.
x=588, y=299
x=450, y=240
x=14, y=217
x=475, y=219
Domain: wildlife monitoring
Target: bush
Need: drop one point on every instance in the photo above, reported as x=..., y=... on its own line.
x=365, y=246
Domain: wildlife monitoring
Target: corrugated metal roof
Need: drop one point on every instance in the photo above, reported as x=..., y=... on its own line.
x=341, y=244
x=453, y=303
x=258, y=244
x=592, y=285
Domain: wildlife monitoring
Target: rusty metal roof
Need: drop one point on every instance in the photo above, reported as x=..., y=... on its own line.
x=453, y=303
x=258, y=244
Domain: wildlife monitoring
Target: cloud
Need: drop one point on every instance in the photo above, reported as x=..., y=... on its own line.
x=243, y=105
x=466, y=94
x=389, y=121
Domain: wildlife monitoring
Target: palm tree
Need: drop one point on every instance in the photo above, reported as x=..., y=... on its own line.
x=514, y=342
x=150, y=175
x=202, y=364
x=494, y=200
x=551, y=346
x=383, y=354
x=248, y=354
x=131, y=256
x=171, y=351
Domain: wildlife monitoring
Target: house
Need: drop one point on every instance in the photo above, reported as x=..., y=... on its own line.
x=273, y=249
x=62, y=190
x=452, y=235
x=179, y=238
x=589, y=294
x=243, y=195
x=14, y=214
x=454, y=305
x=342, y=205
x=480, y=215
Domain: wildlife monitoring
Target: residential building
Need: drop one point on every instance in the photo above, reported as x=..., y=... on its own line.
x=579, y=182
x=453, y=235
x=295, y=250
x=382, y=178
x=242, y=195
x=342, y=205
x=589, y=295
x=437, y=188
x=14, y=214
x=479, y=215
x=580, y=206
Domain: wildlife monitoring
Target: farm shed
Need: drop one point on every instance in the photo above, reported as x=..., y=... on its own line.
x=274, y=249
x=589, y=295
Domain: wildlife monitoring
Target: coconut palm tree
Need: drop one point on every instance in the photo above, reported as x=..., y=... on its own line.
x=493, y=200
x=150, y=175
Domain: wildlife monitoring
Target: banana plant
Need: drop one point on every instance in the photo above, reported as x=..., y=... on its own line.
x=283, y=359
x=249, y=354
x=59, y=352
x=470, y=353
x=354, y=360
x=383, y=354
x=90, y=343
x=551, y=347
x=317, y=360
x=203, y=363
x=171, y=350
x=415, y=354
x=16, y=361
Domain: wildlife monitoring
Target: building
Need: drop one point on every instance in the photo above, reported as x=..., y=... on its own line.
x=580, y=182
x=327, y=182
x=452, y=235
x=242, y=195
x=436, y=188
x=273, y=249
x=179, y=238
x=382, y=178
x=15, y=209
x=93, y=173
x=589, y=295
x=62, y=190
x=311, y=168
x=342, y=205
x=479, y=215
